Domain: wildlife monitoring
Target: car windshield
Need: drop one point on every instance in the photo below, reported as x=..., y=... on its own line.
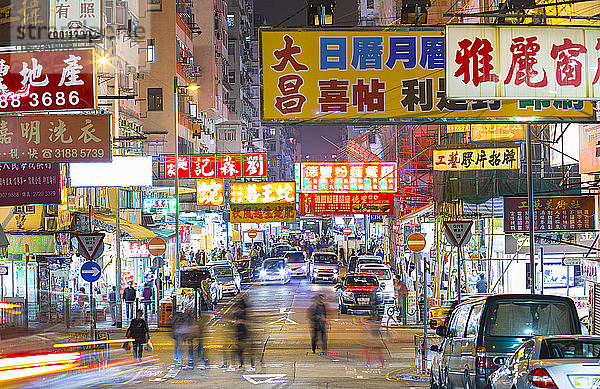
x=296, y=257
x=530, y=318
x=325, y=258
x=223, y=271
x=281, y=249
x=272, y=264
x=382, y=274
x=362, y=281
x=570, y=348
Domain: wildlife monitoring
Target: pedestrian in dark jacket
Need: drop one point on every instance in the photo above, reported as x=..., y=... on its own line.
x=178, y=329
x=129, y=295
x=138, y=330
x=317, y=315
x=146, y=298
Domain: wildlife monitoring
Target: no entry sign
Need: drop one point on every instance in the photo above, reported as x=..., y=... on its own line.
x=252, y=234
x=415, y=242
x=347, y=230
x=157, y=246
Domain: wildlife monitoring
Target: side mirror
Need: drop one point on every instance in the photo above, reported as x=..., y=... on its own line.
x=441, y=331
x=434, y=348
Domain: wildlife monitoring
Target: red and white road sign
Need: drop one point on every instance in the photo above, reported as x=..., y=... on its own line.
x=252, y=234
x=415, y=242
x=458, y=231
x=347, y=230
x=157, y=246
x=89, y=244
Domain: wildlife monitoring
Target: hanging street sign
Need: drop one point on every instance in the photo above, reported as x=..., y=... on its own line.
x=416, y=242
x=571, y=261
x=90, y=271
x=347, y=220
x=157, y=246
x=347, y=230
x=252, y=234
x=458, y=231
x=89, y=244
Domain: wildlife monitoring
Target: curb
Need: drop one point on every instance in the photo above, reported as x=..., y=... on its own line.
x=405, y=374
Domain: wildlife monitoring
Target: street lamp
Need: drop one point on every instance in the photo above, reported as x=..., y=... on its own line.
x=191, y=87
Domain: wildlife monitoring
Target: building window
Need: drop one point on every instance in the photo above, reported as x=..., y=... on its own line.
x=231, y=77
x=231, y=20
x=155, y=99
x=370, y=4
x=231, y=49
x=150, y=53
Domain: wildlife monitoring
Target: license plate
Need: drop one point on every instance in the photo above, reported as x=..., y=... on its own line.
x=583, y=381
x=364, y=301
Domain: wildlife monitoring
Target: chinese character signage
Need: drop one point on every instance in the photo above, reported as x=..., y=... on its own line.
x=556, y=213
x=217, y=165
x=29, y=183
x=476, y=159
x=79, y=19
x=262, y=213
x=375, y=74
x=262, y=192
x=525, y=62
x=47, y=81
x=490, y=131
x=23, y=22
x=47, y=138
x=346, y=177
x=210, y=191
x=346, y=203
x=159, y=205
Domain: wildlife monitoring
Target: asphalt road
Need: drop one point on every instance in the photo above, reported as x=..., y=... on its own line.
x=281, y=350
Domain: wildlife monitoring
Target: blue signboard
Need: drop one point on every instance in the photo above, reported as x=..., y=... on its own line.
x=91, y=271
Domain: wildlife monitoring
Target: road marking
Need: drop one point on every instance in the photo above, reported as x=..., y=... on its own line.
x=258, y=379
x=283, y=320
x=285, y=311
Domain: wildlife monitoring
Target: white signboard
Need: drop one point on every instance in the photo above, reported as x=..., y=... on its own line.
x=122, y=171
x=522, y=62
x=75, y=19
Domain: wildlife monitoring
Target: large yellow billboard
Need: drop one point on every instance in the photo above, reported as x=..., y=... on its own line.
x=376, y=75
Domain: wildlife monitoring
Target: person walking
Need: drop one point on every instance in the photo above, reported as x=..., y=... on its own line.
x=112, y=305
x=242, y=334
x=178, y=332
x=138, y=330
x=317, y=315
x=129, y=295
x=146, y=298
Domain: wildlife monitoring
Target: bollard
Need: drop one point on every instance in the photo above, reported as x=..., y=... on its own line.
x=404, y=308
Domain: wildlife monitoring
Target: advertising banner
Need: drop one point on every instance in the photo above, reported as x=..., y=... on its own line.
x=47, y=81
x=23, y=22
x=346, y=177
x=556, y=213
x=46, y=138
x=262, y=213
x=78, y=19
x=164, y=206
x=216, y=165
x=490, y=131
x=376, y=75
x=476, y=159
x=38, y=244
x=29, y=183
x=262, y=192
x=210, y=191
x=346, y=203
x=522, y=62
x=589, y=139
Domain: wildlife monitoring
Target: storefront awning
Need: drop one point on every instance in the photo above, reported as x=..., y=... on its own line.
x=162, y=232
x=136, y=231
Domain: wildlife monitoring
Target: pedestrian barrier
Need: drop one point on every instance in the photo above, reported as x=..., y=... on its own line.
x=165, y=315
x=423, y=355
x=12, y=312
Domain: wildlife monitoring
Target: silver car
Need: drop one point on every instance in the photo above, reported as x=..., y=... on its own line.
x=558, y=361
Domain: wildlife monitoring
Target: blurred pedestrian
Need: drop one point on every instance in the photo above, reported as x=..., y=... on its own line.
x=229, y=256
x=146, y=298
x=138, y=330
x=242, y=333
x=112, y=305
x=372, y=343
x=481, y=284
x=178, y=332
x=129, y=295
x=317, y=315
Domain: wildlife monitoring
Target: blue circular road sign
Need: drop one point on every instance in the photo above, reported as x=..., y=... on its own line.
x=91, y=271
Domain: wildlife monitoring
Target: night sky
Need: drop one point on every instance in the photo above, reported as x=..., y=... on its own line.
x=345, y=14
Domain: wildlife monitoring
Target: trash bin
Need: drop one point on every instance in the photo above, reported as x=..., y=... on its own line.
x=165, y=313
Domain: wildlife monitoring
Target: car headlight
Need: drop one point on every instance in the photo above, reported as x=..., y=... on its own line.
x=282, y=272
x=263, y=273
x=346, y=294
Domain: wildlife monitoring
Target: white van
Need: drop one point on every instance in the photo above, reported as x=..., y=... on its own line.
x=386, y=279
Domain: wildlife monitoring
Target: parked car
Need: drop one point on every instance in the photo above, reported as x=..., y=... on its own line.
x=192, y=277
x=360, y=291
x=364, y=259
x=483, y=332
x=228, y=276
x=297, y=262
x=275, y=270
x=386, y=279
x=323, y=266
x=551, y=362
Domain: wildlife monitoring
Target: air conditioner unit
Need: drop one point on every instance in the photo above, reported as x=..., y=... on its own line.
x=138, y=76
x=51, y=223
x=52, y=210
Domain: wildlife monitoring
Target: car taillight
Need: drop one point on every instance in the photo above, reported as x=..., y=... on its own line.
x=483, y=362
x=540, y=378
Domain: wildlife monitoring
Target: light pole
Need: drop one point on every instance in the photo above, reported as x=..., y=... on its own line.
x=176, y=87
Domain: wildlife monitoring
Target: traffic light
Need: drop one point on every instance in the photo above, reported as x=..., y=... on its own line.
x=320, y=12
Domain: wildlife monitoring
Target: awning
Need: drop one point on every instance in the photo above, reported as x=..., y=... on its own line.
x=134, y=230
x=162, y=232
x=415, y=214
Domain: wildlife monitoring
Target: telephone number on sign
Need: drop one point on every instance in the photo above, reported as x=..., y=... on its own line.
x=46, y=99
x=72, y=153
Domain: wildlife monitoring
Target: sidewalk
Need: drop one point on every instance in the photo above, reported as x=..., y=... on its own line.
x=407, y=374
